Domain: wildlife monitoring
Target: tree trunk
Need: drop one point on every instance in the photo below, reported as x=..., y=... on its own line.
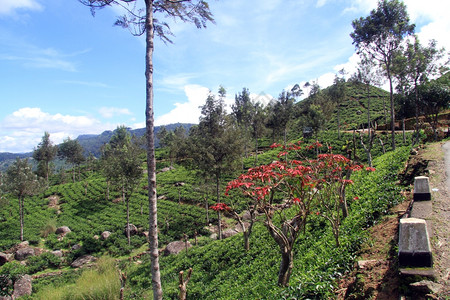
x=417, y=132
x=21, y=217
x=246, y=231
x=207, y=210
x=286, y=266
x=391, y=96
x=183, y=284
x=46, y=171
x=218, y=188
x=151, y=161
x=256, y=151
x=382, y=145
x=219, y=221
x=339, y=120
x=128, y=220
x=404, y=130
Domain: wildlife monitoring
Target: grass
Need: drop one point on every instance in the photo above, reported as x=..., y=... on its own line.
x=101, y=283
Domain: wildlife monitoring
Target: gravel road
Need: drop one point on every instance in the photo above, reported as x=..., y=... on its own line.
x=440, y=184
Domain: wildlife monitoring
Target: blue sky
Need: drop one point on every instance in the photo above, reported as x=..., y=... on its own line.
x=69, y=73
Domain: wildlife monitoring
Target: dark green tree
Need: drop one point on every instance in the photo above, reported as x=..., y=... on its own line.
x=44, y=154
x=215, y=143
x=380, y=35
x=338, y=92
x=414, y=65
x=21, y=182
x=281, y=114
x=258, y=123
x=162, y=136
x=72, y=152
x=367, y=74
x=142, y=21
x=242, y=111
x=122, y=163
x=433, y=97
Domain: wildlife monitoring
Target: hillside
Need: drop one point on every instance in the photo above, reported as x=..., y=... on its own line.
x=222, y=269
x=353, y=107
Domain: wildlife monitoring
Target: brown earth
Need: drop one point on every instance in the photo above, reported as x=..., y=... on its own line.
x=376, y=275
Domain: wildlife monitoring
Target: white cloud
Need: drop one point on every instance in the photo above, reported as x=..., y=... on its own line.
x=9, y=6
x=22, y=130
x=434, y=15
x=176, y=81
x=187, y=112
x=364, y=6
x=109, y=112
x=321, y=3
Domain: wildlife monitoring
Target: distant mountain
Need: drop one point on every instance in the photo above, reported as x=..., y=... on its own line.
x=6, y=158
x=91, y=143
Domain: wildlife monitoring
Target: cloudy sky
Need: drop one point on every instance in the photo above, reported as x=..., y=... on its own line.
x=69, y=73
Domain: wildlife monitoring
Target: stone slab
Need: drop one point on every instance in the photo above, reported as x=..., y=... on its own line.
x=421, y=189
x=423, y=272
x=421, y=210
x=414, y=248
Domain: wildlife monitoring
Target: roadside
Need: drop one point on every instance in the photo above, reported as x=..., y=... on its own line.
x=439, y=169
x=376, y=274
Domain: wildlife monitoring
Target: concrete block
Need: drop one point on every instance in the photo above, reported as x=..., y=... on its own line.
x=414, y=248
x=421, y=189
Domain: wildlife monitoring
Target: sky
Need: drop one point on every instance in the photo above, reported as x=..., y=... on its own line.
x=67, y=72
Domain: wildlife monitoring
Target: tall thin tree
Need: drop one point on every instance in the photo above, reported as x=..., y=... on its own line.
x=142, y=21
x=379, y=35
x=21, y=182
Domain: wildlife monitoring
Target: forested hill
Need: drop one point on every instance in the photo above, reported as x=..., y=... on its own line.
x=91, y=143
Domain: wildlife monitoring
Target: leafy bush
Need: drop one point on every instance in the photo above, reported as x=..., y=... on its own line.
x=9, y=273
x=41, y=262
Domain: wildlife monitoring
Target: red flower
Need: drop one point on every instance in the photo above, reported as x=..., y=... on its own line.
x=356, y=198
x=370, y=169
x=220, y=207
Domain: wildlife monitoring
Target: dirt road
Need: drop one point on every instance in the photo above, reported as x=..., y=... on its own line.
x=439, y=168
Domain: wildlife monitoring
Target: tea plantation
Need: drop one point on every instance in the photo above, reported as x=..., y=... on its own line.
x=222, y=269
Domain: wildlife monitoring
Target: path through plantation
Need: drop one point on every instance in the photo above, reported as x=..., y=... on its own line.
x=379, y=278
x=439, y=168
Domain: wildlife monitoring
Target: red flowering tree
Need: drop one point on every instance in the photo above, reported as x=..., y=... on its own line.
x=333, y=175
x=288, y=191
x=245, y=226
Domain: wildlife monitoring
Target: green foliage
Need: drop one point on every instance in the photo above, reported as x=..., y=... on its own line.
x=41, y=262
x=9, y=273
x=222, y=270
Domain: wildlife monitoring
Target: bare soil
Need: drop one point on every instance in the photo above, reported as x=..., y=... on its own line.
x=376, y=275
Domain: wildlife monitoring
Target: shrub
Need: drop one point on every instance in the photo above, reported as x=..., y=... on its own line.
x=49, y=227
x=9, y=273
x=42, y=262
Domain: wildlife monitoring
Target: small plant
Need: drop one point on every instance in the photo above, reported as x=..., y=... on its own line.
x=49, y=227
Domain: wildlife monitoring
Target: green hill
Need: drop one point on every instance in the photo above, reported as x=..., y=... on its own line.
x=222, y=269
